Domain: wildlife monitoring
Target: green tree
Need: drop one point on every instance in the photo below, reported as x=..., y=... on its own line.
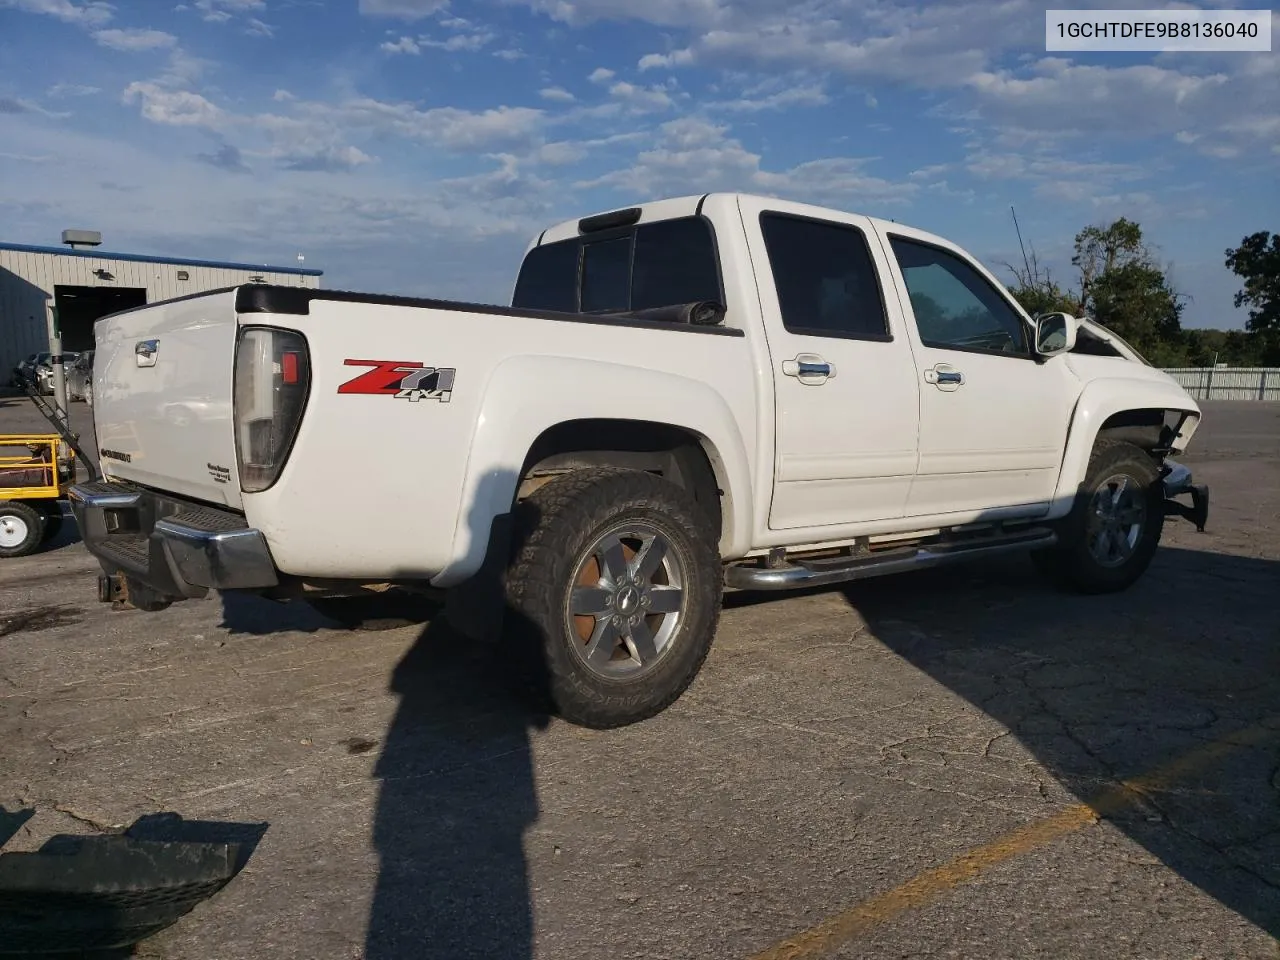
x=1038, y=292
x=1235, y=348
x=1257, y=263
x=1124, y=288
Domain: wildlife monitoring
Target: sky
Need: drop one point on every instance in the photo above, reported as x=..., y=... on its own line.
x=416, y=146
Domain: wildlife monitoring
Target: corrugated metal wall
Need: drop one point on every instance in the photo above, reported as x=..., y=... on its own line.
x=1229, y=383
x=27, y=281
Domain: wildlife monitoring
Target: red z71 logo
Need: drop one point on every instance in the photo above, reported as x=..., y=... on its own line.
x=405, y=380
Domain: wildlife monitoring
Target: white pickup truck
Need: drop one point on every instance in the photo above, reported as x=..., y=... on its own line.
x=685, y=396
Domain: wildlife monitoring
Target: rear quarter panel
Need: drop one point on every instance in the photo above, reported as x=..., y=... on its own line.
x=383, y=487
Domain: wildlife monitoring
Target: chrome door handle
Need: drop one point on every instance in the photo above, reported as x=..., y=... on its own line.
x=809, y=368
x=944, y=376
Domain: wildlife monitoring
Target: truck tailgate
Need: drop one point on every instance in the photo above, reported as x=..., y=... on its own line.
x=163, y=397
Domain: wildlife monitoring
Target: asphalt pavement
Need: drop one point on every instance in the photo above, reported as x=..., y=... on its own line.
x=961, y=763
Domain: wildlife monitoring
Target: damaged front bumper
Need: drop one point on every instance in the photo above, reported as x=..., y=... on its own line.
x=1178, y=482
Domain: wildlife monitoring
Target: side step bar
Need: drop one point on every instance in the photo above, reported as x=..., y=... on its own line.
x=828, y=570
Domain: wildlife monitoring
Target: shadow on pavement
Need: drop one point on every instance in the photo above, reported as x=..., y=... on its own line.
x=1106, y=688
x=458, y=788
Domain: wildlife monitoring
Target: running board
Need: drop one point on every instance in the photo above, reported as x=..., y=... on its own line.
x=828, y=570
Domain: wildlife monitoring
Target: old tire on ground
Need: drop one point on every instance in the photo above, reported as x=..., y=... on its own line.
x=20, y=529
x=613, y=594
x=1108, y=540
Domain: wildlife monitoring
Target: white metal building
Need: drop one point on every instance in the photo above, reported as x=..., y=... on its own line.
x=87, y=284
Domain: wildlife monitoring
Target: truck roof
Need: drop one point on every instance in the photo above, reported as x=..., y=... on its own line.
x=668, y=208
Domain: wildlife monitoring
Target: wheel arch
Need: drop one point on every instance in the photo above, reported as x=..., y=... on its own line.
x=1157, y=417
x=525, y=433
x=674, y=453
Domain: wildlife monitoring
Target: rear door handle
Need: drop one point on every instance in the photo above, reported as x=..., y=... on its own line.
x=809, y=368
x=944, y=376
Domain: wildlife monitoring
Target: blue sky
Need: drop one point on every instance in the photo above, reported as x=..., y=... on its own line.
x=415, y=146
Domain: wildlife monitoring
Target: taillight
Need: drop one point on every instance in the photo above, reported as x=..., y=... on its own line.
x=273, y=374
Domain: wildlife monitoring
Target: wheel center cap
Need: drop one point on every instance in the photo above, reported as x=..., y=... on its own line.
x=628, y=600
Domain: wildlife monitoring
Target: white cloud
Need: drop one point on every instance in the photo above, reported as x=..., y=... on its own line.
x=256, y=28
x=510, y=54
x=72, y=90
x=1222, y=151
x=692, y=155
x=403, y=45
x=91, y=14
x=929, y=172
x=133, y=40
x=601, y=75
x=328, y=157
x=470, y=42
x=173, y=107
x=662, y=12
x=641, y=99
x=402, y=9
x=16, y=105
x=556, y=95
x=807, y=96
x=459, y=237
x=223, y=11
x=676, y=58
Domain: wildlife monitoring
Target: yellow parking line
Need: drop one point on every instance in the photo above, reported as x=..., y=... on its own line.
x=931, y=884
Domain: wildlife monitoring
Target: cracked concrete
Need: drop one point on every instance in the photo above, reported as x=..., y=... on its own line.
x=837, y=745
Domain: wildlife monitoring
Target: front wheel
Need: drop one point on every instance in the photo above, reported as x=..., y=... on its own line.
x=1110, y=537
x=613, y=593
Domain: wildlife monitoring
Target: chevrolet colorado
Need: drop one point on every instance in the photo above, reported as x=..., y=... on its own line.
x=683, y=397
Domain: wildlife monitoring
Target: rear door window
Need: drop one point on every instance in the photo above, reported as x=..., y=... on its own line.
x=675, y=262
x=826, y=281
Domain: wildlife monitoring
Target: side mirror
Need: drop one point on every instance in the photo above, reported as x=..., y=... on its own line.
x=1055, y=333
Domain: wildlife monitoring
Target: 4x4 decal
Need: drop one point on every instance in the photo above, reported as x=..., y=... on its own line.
x=405, y=380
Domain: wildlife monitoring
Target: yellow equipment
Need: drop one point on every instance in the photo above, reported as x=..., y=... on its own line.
x=32, y=489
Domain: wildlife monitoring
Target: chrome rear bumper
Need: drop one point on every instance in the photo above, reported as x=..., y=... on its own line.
x=176, y=547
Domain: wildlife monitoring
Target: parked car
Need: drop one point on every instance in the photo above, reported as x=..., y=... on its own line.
x=688, y=395
x=80, y=378
x=44, y=369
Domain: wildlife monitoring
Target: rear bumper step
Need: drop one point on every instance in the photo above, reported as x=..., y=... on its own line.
x=820, y=572
x=178, y=548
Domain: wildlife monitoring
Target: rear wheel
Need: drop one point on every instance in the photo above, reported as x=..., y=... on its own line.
x=1111, y=535
x=613, y=593
x=20, y=529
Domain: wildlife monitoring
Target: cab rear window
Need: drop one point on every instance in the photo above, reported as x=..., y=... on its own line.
x=649, y=265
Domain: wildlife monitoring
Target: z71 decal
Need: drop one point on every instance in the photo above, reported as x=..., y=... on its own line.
x=404, y=380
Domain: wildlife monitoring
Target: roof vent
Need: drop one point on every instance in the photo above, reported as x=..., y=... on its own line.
x=81, y=238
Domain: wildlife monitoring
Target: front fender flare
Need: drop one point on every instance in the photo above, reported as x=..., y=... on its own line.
x=527, y=395
x=1100, y=400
